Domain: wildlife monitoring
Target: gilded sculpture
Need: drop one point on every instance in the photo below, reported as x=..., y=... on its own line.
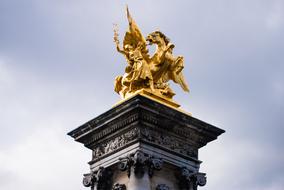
x=145, y=72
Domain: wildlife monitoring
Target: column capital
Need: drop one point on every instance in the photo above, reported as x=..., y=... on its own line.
x=189, y=180
x=99, y=178
x=140, y=162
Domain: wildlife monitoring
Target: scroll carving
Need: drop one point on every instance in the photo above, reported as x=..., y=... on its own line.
x=99, y=178
x=189, y=180
x=140, y=162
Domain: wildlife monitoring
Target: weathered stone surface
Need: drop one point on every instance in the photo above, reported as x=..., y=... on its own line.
x=118, y=186
x=162, y=187
x=141, y=125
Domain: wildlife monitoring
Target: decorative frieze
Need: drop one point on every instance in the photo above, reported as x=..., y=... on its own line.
x=169, y=142
x=114, y=144
x=155, y=137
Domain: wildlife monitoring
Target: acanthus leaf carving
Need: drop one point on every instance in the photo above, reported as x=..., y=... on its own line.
x=99, y=178
x=189, y=180
x=140, y=162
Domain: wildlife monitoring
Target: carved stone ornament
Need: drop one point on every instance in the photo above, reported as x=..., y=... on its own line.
x=99, y=178
x=118, y=186
x=114, y=144
x=140, y=163
x=89, y=179
x=200, y=179
x=162, y=187
x=168, y=142
x=189, y=180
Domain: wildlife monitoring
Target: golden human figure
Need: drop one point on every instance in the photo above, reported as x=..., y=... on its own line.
x=144, y=72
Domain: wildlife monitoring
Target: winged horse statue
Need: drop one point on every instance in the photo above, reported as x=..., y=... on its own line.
x=145, y=72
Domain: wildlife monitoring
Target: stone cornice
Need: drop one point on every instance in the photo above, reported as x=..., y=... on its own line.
x=142, y=109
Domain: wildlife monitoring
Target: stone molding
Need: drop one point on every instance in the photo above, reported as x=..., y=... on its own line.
x=141, y=109
x=111, y=127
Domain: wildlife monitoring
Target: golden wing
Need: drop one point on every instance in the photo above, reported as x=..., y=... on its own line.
x=134, y=37
x=181, y=81
x=177, y=76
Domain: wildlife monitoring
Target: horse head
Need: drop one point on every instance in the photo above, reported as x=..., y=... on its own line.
x=158, y=38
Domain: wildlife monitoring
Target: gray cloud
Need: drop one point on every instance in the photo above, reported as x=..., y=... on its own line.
x=58, y=62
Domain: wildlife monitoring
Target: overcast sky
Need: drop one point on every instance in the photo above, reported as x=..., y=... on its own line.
x=58, y=63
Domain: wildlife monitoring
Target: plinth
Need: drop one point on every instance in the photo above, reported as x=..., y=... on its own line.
x=142, y=144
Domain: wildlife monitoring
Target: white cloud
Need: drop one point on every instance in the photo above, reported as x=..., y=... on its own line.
x=241, y=164
x=275, y=17
x=45, y=160
x=5, y=75
x=278, y=91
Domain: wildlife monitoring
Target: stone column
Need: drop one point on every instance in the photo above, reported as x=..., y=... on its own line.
x=140, y=168
x=142, y=144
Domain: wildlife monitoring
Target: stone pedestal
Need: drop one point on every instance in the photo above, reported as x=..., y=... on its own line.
x=142, y=144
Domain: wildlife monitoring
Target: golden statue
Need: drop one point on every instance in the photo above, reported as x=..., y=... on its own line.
x=144, y=73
